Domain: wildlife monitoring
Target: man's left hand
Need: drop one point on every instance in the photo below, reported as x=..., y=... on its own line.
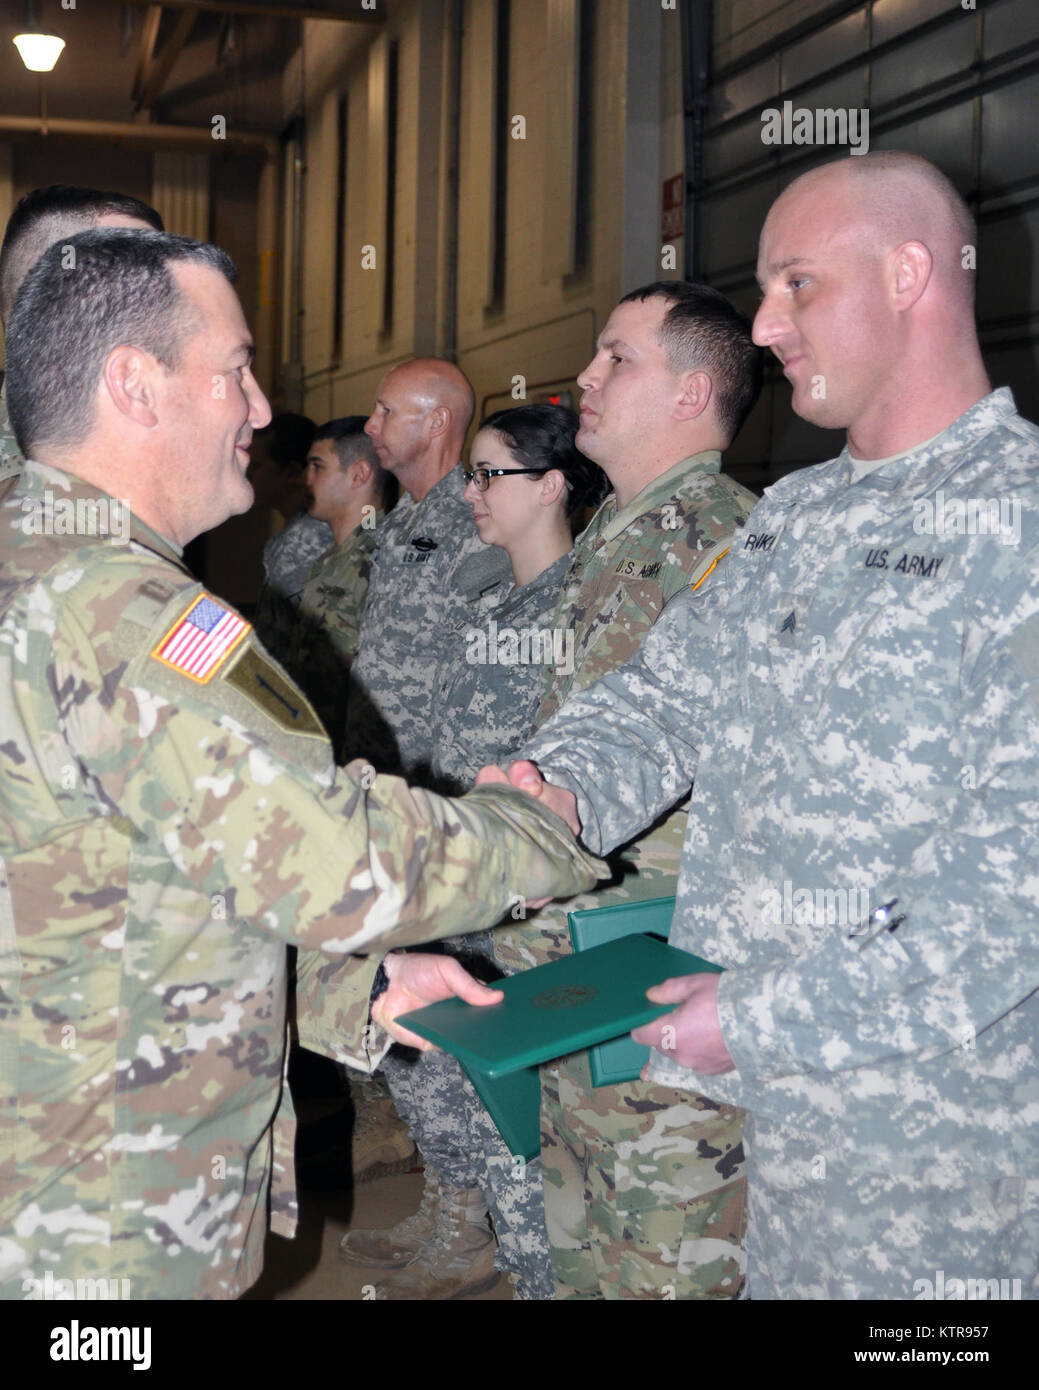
x=691, y=1033
x=417, y=979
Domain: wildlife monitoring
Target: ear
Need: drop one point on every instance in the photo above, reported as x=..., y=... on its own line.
x=912, y=264
x=551, y=486
x=697, y=388
x=130, y=376
x=438, y=421
x=361, y=473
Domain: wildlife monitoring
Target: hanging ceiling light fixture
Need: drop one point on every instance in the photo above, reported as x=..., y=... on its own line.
x=39, y=51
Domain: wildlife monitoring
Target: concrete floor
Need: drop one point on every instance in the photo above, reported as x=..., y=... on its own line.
x=309, y=1267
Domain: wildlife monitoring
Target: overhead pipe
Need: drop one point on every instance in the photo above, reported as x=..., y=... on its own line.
x=154, y=136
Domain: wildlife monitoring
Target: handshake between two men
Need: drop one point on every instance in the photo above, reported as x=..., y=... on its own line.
x=691, y=1034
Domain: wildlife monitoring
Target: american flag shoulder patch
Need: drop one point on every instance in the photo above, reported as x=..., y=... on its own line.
x=202, y=639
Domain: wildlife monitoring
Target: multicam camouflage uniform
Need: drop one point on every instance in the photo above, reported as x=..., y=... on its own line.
x=288, y=559
x=644, y=1188
x=163, y=836
x=858, y=700
x=328, y=623
x=429, y=566
x=11, y=460
x=486, y=697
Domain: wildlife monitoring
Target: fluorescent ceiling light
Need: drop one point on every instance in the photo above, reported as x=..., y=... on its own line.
x=39, y=52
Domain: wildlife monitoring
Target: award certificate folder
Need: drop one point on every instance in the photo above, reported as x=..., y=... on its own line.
x=554, y=1009
x=547, y=1012
x=622, y=1059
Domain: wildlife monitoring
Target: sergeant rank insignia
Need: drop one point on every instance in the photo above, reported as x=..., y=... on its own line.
x=202, y=639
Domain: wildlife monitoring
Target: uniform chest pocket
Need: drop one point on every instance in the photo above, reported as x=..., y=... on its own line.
x=622, y=618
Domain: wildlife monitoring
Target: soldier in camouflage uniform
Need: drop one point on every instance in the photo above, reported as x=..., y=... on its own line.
x=170, y=813
x=864, y=737
x=429, y=567
x=278, y=459
x=527, y=486
x=429, y=564
x=10, y=455
x=644, y=1189
x=41, y=218
x=347, y=490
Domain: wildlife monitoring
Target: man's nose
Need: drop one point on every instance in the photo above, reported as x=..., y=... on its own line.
x=585, y=379
x=769, y=323
x=259, y=406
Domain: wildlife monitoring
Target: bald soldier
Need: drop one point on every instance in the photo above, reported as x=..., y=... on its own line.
x=862, y=722
x=429, y=563
x=41, y=218
x=428, y=568
x=171, y=816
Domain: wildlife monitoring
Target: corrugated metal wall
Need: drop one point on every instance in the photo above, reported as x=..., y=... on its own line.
x=958, y=85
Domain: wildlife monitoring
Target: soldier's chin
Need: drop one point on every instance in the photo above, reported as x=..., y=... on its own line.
x=822, y=414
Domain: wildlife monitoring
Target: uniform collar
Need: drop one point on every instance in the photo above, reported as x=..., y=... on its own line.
x=40, y=479
x=894, y=486
x=611, y=523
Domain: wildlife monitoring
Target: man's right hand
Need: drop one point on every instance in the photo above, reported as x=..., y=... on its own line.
x=527, y=778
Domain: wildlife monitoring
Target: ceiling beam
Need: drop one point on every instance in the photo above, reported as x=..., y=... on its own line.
x=159, y=69
x=346, y=11
x=146, y=47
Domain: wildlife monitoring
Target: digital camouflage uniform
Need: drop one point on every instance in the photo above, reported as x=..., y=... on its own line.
x=428, y=569
x=858, y=699
x=429, y=566
x=644, y=1187
x=491, y=674
x=163, y=837
x=328, y=623
x=483, y=710
x=288, y=559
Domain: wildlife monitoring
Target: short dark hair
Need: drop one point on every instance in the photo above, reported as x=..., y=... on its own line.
x=541, y=435
x=47, y=214
x=705, y=329
x=351, y=443
x=287, y=440
x=82, y=298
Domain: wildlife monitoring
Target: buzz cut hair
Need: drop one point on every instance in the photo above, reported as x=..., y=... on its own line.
x=703, y=329
x=102, y=289
x=45, y=215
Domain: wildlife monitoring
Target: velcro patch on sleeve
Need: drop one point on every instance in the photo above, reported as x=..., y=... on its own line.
x=202, y=639
x=256, y=677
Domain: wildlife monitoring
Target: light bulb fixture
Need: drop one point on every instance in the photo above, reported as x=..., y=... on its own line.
x=39, y=52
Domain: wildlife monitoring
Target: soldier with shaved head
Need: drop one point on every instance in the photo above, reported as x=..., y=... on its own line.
x=428, y=567
x=857, y=698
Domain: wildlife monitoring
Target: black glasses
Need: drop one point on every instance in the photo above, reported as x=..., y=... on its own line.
x=482, y=476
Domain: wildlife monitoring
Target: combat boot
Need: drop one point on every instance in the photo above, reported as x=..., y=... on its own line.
x=394, y=1247
x=379, y=1143
x=459, y=1260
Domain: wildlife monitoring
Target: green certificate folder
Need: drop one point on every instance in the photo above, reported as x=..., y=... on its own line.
x=548, y=1012
x=621, y=1059
x=556, y=1008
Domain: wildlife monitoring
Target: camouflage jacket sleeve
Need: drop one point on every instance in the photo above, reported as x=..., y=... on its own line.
x=628, y=745
x=967, y=952
x=234, y=780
